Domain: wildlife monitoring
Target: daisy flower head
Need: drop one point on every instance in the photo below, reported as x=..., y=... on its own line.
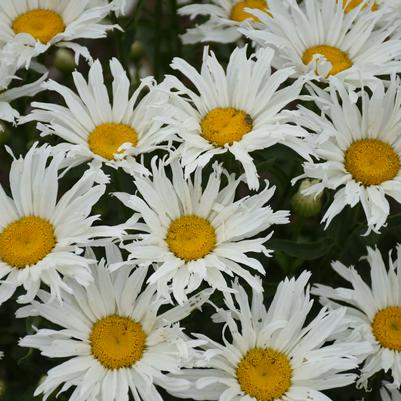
x=270, y=354
x=373, y=311
x=116, y=339
x=30, y=28
x=194, y=234
x=115, y=131
x=40, y=234
x=320, y=40
x=238, y=110
x=224, y=19
x=358, y=150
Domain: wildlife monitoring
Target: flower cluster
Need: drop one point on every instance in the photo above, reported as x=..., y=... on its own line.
x=143, y=203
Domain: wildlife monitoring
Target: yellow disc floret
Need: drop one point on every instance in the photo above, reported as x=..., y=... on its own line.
x=351, y=4
x=386, y=327
x=27, y=241
x=42, y=24
x=106, y=139
x=264, y=373
x=225, y=125
x=239, y=14
x=339, y=60
x=117, y=342
x=191, y=237
x=371, y=161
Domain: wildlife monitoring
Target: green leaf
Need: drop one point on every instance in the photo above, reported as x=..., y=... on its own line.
x=302, y=250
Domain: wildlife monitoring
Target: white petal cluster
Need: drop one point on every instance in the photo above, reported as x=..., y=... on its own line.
x=250, y=326
x=160, y=201
x=117, y=294
x=364, y=303
x=248, y=85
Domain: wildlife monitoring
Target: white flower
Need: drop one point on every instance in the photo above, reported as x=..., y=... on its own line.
x=272, y=354
x=320, y=40
x=116, y=339
x=29, y=28
x=373, y=312
x=39, y=233
x=224, y=19
x=114, y=131
x=196, y=234
x=238, y=110
x=359, y=150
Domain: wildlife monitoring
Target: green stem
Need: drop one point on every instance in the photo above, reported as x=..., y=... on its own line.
x=158, y=39
x=175, y=28
x=132, y=23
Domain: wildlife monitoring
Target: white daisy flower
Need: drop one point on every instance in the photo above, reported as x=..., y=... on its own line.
x=373, y=312
x=39, y=233
x=114, y=131
x=31, y=27
x=359, y=151
x=196, y=234
x=116, y=339
x=320, y=40
x=388, y=393
x=225, y=16
x=238, y=110
x=270, y=354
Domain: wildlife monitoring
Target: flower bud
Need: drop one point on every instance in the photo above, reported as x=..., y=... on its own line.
x=64, y=61
x=307, y=205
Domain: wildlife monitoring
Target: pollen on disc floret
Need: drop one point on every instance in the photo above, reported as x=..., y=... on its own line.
x=42, y=24
x=239, y=14
x=339, y=59
x=26, y=241
x=117, y=342
x=191, y=237
x=371, y=161
x=264, y=373
x=106, y=139
x=386, y=327
x=225, y=125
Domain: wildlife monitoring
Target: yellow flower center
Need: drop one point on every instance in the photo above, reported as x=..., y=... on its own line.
x=117, y=342
x=191, y=237
x=42, y=24
x=339, y=60
x=386, y=327
x=350, y=5
x=106, y=139
x=239, y=14
x=26, y=242
x=264, y=373
x=371, y=161
x=225, y=125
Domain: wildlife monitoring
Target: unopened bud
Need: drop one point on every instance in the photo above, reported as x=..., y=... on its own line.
x=64, y=61
x=307, y=205
x=3, y=388
x=137, y=51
